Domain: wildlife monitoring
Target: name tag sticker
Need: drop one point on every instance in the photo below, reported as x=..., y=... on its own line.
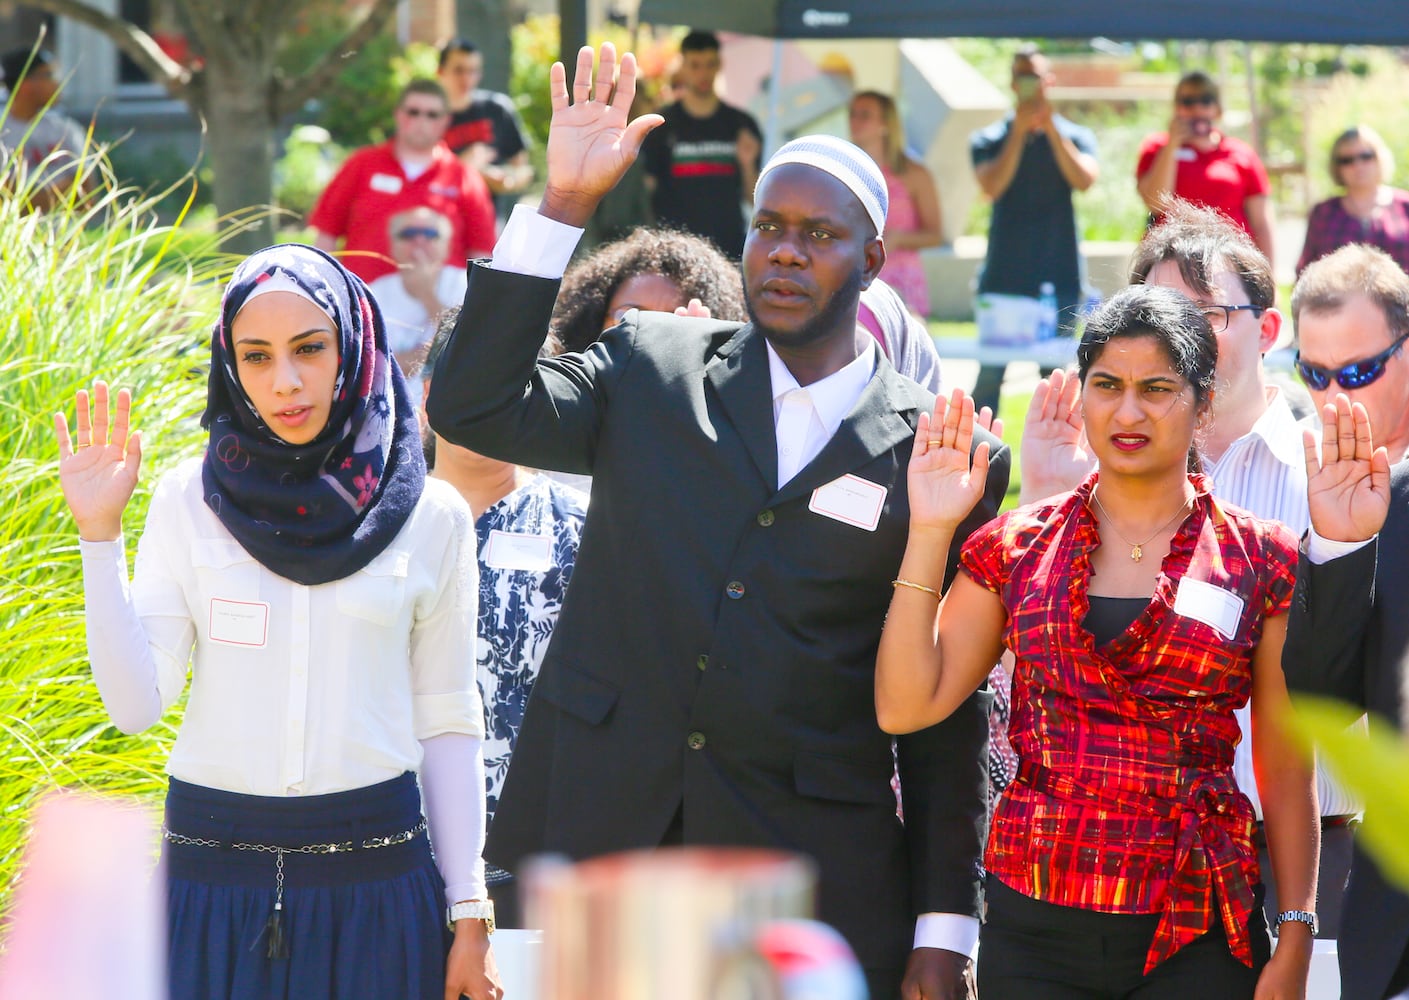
x=1215, y=607
x=509, y=550
x=385, y=183
x=1185, y=154
x=239, y=623
x=850, y=500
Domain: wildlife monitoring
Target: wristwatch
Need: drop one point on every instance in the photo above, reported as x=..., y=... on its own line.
x=474, y=909
x=1299, y=916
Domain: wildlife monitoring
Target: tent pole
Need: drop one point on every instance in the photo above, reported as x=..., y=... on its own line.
x=775, y=112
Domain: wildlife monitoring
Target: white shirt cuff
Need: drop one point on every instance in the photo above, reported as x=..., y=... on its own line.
x=1322, y=550
x=950, y=931
x=535, y=244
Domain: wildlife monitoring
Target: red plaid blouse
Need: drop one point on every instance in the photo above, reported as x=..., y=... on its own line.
x=1124, y=800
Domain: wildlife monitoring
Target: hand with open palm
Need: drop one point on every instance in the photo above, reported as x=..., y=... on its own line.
x=590, y=142
x=1348, y=482
x=99, y=475
x=1056, y=454
x=944, y=484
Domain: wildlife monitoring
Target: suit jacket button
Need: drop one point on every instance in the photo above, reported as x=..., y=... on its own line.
x=695, y=741
x=765, y=518
x=735, y=590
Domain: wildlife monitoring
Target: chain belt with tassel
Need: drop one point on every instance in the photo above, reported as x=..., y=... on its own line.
x=278, y=942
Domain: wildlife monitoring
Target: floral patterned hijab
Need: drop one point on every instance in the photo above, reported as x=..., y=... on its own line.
x=318, y=511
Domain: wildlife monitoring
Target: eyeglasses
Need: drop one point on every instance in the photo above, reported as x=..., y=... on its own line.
x=1364, y=156
x=1355, y=375
x=1219, y=316
x=424, y=232
x=1196, y=100
x=422, y=113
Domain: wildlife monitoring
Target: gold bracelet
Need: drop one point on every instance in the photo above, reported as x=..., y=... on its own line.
x=913, y=586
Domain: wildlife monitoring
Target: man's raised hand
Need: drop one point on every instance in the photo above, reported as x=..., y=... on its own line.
x=1348, y=481
x=590, y=142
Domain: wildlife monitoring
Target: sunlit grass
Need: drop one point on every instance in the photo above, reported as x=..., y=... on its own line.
x=94, y=288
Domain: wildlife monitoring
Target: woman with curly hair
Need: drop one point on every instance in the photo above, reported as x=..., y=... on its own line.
x=658, y=270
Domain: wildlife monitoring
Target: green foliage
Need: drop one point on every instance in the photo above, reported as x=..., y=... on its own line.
x=1371, y=765
x=94, y=290
x=309, y=162
x=1375, y=98
x=357, y=107
x=535, y=49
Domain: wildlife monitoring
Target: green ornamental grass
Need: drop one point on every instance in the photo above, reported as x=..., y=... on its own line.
x=93, y=288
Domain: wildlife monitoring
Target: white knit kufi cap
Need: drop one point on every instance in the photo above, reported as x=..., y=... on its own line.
x=847, y=163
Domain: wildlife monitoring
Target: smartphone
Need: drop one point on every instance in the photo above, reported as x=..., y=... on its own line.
x=1027, y=86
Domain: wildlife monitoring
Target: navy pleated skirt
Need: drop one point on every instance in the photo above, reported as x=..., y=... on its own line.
x=359, y=923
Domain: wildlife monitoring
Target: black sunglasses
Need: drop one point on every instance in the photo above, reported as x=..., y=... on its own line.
x=1193, y=101
x=423, y=113
x=1355, y=375
x=1364, y=156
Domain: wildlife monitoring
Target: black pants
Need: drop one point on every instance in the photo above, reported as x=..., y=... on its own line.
x=1031, y=950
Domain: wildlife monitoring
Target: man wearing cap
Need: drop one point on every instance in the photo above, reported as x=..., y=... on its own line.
x=710, y=678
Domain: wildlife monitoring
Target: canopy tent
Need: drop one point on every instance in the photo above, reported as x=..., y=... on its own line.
x=1367, y=22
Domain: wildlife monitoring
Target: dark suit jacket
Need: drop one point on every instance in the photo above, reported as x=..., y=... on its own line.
x=1348, y=638
x=717, y=646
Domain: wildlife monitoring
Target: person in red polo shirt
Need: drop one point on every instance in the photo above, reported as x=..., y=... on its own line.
x=412, y=169
x=1199, y=163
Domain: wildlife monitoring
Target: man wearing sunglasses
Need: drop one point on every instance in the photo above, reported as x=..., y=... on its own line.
x=413, y=168
x=1351, y=310
x=1198, y=162
x=1348, y=633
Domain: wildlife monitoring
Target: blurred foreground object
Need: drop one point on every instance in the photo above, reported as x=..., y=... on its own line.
x=87, y=917
x=690, y=923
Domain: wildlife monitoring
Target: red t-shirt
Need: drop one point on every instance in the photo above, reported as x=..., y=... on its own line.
x=1221, y=178
x=372, y=186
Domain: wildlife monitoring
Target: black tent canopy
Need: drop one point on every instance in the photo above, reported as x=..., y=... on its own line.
x=1367, y=22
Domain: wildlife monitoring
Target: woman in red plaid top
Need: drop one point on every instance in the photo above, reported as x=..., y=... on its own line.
x=1141, y=612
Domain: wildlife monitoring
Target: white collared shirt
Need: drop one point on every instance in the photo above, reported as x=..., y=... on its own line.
x=805, y=418
x=1264, y=472
x=329, y=688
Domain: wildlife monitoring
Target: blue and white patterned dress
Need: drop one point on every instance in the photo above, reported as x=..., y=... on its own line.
x=527, y=544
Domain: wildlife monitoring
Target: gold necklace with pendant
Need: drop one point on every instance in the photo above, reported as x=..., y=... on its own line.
x=1137, y=550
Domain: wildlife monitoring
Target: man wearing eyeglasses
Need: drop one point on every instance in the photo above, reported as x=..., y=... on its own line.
x=414, y=168
x=1348, y=633
x=1196, y=161
x=1351, y=310
x=1251, y=451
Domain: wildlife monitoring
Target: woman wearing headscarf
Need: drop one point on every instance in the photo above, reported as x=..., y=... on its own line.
x=323, y=592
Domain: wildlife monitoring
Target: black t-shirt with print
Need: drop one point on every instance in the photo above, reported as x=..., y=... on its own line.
x=696, y=167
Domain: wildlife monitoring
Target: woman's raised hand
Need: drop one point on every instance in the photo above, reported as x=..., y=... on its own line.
x=1348, y=481
x=99, y=475
x=944, y=484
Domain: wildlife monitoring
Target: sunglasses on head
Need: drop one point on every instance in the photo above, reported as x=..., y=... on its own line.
x=1197, y=100
x=424, y=232
x=1364, y=156
x=1355, y=375
x=430, y=113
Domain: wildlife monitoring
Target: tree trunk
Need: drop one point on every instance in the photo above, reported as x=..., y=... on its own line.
x=486, y=23
x=241, y=128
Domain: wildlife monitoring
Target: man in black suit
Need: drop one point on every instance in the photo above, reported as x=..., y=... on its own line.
x=1348, y=638
x=710, y=680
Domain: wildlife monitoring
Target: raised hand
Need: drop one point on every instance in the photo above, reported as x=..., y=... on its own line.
x=590, y=142
x=989, y=421
x=1348, y=483
x=944, y=485
x=696, y=308
x=1056, y=456
x=98, y=476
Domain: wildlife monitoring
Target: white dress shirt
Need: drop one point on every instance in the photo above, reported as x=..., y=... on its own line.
x=299, y=690
x=1264, y=472
x=534, y=244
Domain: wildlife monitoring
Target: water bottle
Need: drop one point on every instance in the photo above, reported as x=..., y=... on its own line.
x=1046, y=311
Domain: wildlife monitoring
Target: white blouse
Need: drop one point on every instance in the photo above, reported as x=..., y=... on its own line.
x=296, y=690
